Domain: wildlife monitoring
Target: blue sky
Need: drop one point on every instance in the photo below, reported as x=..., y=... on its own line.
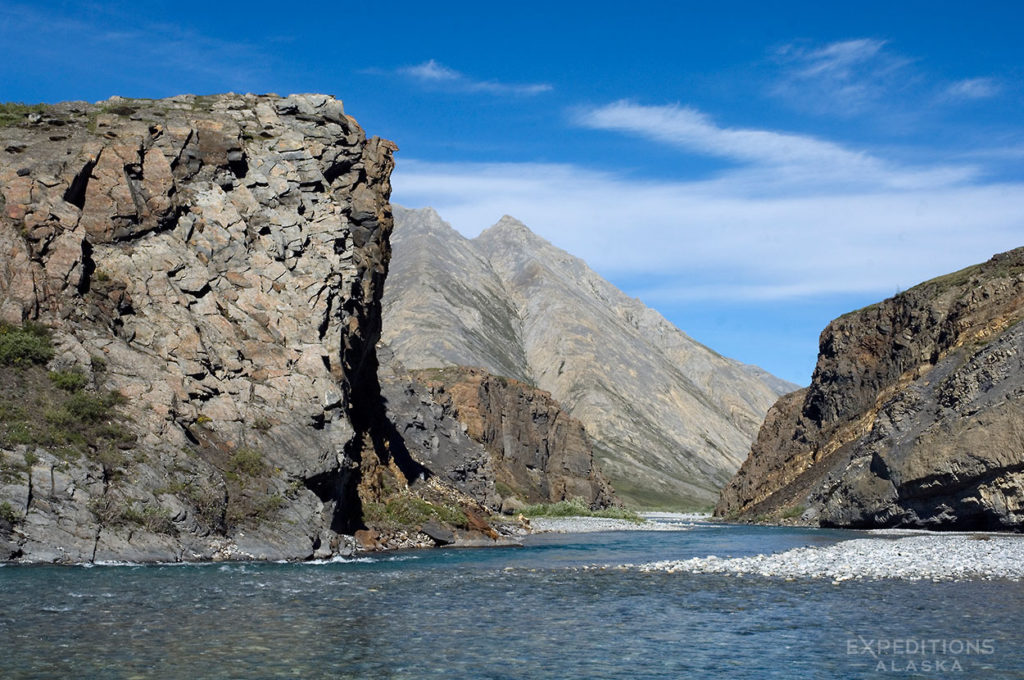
x=750, y=169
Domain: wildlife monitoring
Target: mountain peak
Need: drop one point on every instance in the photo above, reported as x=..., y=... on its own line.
x=507, y=222
x=509, y=232
x=423, y=221
x=507, y=226
x=670, y=419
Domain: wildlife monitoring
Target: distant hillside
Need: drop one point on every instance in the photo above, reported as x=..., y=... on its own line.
x=671, y=420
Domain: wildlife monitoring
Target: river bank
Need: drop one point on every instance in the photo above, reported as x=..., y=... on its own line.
x=651, y=521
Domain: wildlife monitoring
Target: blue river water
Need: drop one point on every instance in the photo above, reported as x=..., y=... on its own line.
x=527, y=612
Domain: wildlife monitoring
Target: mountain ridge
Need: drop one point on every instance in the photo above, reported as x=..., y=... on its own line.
x=659, y=406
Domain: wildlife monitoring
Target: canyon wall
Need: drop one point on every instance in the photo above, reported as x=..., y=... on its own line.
x=914, y=416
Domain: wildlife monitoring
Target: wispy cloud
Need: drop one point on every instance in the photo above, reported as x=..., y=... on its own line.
x=841, y=78
x=837, y=61
x=770, y=157
x=715, y=240
x=433, y=74
x=431, y=71
x=865, y=75
x=974, y=88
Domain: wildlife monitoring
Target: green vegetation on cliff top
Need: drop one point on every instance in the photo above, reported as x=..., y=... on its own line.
x=1010, y=263
x=404, y=510
x=12, y=113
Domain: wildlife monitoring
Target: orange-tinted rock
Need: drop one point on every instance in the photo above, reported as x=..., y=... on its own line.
x=540, y=453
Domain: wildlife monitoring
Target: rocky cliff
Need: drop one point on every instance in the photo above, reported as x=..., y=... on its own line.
x=540, y=454
x=914, y=416
x=669, y=418
x=190, y=290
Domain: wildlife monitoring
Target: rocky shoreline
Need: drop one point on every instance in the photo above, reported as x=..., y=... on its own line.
x=934, y=557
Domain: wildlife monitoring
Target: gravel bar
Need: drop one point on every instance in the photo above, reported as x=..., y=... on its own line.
x=935, y=557
x=654, y=521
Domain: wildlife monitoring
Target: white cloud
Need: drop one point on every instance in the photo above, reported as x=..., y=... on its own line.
x=974, y=88
x=773, y=158
x=837, y=60
x=842, y=78
x=714, y=240
x=431, y=73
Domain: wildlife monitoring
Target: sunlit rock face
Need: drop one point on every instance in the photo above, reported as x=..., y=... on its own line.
x=217, y=261
x=914, y=416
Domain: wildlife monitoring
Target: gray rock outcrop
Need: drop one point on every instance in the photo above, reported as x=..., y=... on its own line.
x=914, y=416
x=670, y=419
x=218, y=263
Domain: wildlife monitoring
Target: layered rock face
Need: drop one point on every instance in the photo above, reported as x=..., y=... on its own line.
x=670, y=419
x=539, y=453
x=914, y=416
x=219, y=262
x=500, y=442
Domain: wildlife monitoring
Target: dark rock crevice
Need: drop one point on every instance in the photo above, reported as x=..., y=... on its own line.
x=75, y=194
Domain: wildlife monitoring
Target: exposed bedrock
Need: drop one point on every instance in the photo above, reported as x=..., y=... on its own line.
x=914, y=416
x=218, y=262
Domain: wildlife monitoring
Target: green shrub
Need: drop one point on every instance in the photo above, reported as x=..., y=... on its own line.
x=112, y=459
x=69, y=381
x=253, y=510
x=25, y=345
x=574, y=507
x=793, y=512
x=12, y=113
x=90, y=407
x=248, y=462
x=114, y=511
x=209, y=505
x=9, y=514
x=72, y=424
x=504, y=490
x=406, y=510
x=11, y=471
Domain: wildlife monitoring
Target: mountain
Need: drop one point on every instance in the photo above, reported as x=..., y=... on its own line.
x=914, y=416
x=670, y=419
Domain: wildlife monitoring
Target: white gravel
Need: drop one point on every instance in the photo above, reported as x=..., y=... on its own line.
x=937, y=557
x=653, y=521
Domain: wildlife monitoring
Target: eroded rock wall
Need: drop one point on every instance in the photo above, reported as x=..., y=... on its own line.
x=219, y=261
x=914, y=416
x=539, y=453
